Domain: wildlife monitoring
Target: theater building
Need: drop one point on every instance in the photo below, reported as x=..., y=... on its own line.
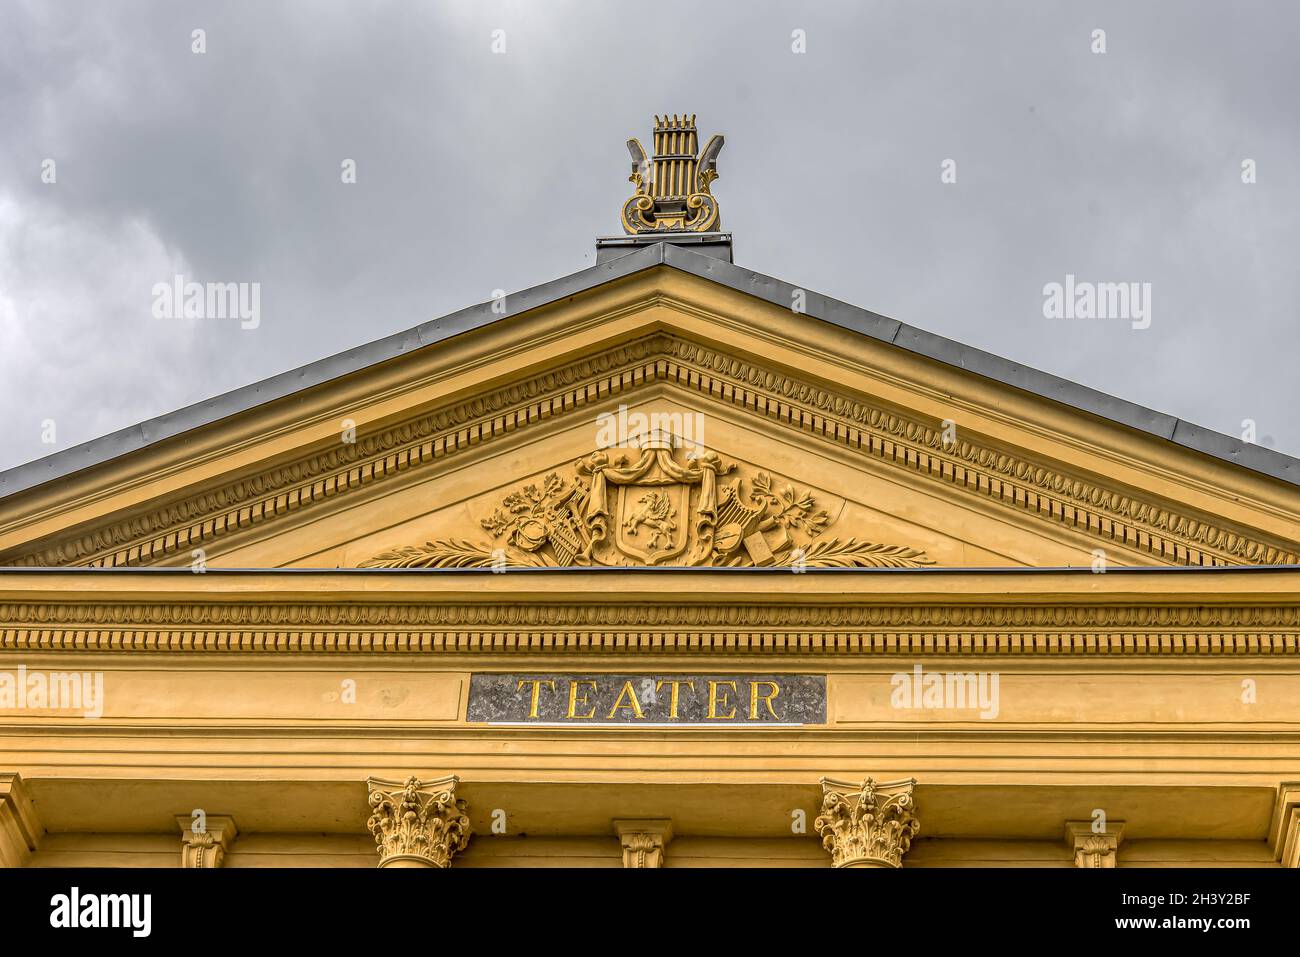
x=662, y=563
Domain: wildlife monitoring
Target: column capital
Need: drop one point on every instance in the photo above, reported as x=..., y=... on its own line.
x=417, y=823
x=644, y=841
x=20, y=828
x=1093, y=848
x=867, y=824
x=205, y=839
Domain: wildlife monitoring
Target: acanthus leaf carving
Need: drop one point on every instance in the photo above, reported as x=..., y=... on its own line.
x=867, y=825
x=450, y=553
x=417, y=824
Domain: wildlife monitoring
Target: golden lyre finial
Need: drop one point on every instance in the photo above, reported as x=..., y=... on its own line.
x=672, y=190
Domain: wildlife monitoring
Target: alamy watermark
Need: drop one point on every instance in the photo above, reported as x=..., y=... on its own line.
x=180, y=299
x=1098, y=300
x=946, y=691
x=75, y=909
x=53, y=691
x=623, y=428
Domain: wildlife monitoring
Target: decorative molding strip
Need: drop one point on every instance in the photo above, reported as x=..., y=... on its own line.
x=308, y=481
x=533, y=642
x=996, y=475
x=848, y=630
x=721, y=614
x=979, y=469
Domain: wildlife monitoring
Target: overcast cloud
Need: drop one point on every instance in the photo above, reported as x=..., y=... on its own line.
x=479, y=170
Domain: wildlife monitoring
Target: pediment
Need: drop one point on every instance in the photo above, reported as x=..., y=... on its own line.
x=819, y=445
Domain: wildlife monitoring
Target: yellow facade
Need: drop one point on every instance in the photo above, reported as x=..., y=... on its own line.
x=288, y=608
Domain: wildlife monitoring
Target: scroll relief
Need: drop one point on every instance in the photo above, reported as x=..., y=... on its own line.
x=665, y=508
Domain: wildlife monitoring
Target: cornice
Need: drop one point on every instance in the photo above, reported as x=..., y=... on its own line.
x=649, y=628
x=1011, y=479
x=889, y=438
x=310, y=480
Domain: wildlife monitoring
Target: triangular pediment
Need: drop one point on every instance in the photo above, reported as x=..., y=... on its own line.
x=536, y=438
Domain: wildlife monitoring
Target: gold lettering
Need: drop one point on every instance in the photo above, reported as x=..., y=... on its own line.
x=754, y=698
x=537, y=690
x=574, y=702
x=628, y=693
x=673, y=698
x=714, y=702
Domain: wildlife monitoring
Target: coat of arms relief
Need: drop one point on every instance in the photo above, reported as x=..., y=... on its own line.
x=656, y=506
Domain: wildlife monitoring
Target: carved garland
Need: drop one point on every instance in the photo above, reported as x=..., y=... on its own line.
x=978, y=469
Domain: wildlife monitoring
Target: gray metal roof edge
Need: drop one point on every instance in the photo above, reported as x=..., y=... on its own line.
x=1276, y=465
x=285, y=384
x=651, y=570
x=778, y=292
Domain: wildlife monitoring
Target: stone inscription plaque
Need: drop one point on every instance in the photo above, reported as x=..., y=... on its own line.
x=648, y=700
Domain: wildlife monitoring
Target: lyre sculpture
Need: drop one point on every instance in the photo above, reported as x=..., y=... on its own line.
x=672, y=190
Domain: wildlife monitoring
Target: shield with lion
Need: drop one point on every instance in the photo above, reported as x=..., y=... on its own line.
x=653, y=521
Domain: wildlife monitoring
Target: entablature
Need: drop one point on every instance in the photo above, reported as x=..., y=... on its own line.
x=598, y=611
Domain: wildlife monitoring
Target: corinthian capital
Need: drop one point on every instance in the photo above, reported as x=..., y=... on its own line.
x=867, y=824
x=417, y=824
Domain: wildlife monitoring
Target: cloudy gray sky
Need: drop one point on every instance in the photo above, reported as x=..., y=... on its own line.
x=479, y=170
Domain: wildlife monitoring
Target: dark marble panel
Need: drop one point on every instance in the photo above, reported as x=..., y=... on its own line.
x=648, y=699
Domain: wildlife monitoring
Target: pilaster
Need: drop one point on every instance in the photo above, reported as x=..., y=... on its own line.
x=1094, y=848
x=644, y=841
x=205, y=839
